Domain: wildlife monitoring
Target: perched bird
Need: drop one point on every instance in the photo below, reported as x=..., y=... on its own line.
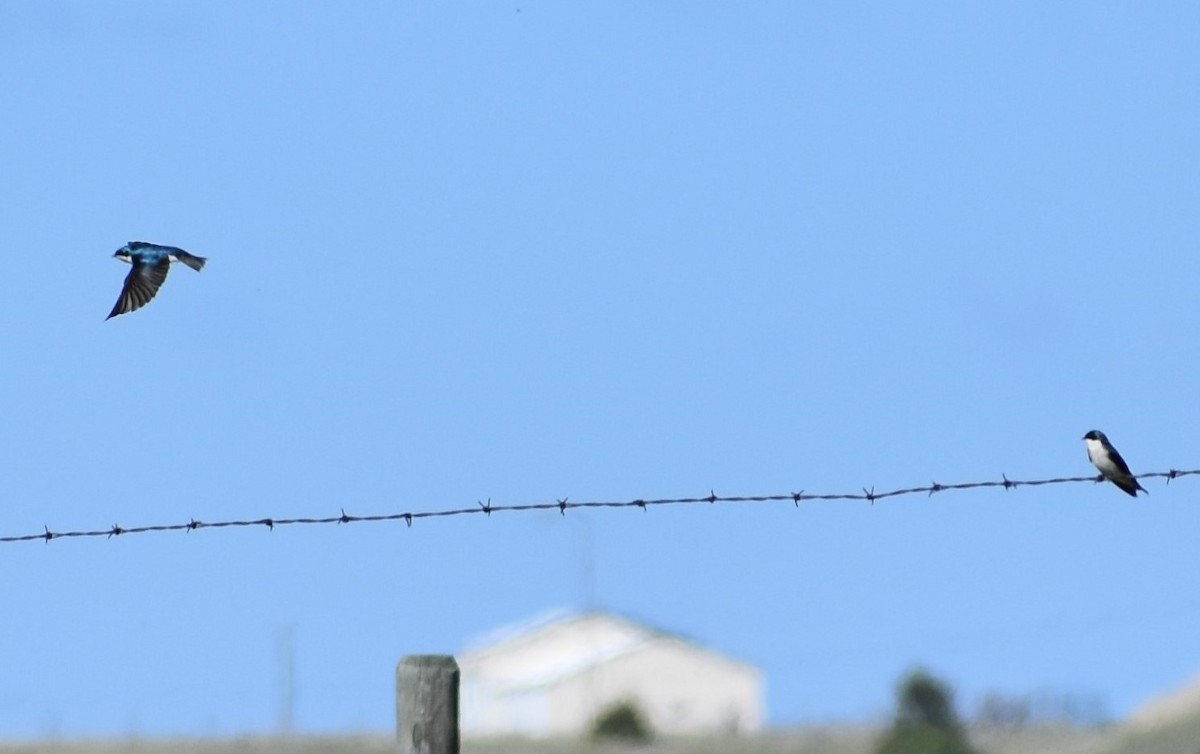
x=150, y=265
x=1110, y=463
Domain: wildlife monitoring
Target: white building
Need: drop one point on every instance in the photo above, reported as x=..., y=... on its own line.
x=555, y=675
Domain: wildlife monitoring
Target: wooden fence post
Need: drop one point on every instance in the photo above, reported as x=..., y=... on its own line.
x=427, y=704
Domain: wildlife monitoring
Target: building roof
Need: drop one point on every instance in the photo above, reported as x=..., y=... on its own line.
x=561, y=644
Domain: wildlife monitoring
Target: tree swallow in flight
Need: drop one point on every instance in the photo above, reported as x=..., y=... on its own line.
x=1110, y=463
x=150, y=265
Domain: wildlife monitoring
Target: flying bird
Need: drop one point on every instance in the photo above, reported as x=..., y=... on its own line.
x=150, y=265
x=1110, y=463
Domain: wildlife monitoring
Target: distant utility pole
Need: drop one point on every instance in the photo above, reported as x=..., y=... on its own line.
x=287, y=681
x=587, y=562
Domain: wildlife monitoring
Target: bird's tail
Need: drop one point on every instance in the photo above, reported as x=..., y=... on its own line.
x=191, y=260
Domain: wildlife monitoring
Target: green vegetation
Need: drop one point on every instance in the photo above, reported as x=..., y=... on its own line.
x=839, y=739
x=925, y=720
x=622, y=722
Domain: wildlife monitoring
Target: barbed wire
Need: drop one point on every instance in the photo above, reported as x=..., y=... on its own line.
x=563, y=505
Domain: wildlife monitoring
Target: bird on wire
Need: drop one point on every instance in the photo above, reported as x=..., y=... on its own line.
x=1110, y=463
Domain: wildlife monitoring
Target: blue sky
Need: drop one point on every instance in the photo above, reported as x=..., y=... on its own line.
x=604, y=250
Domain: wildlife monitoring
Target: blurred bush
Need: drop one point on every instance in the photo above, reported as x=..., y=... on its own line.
x=623, y=721
x=926, y=722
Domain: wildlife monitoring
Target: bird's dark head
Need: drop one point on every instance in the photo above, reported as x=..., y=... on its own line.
x=1095, y=434
x=123, y=254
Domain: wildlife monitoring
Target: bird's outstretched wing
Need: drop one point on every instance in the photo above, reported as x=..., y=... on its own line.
x=142, y=282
